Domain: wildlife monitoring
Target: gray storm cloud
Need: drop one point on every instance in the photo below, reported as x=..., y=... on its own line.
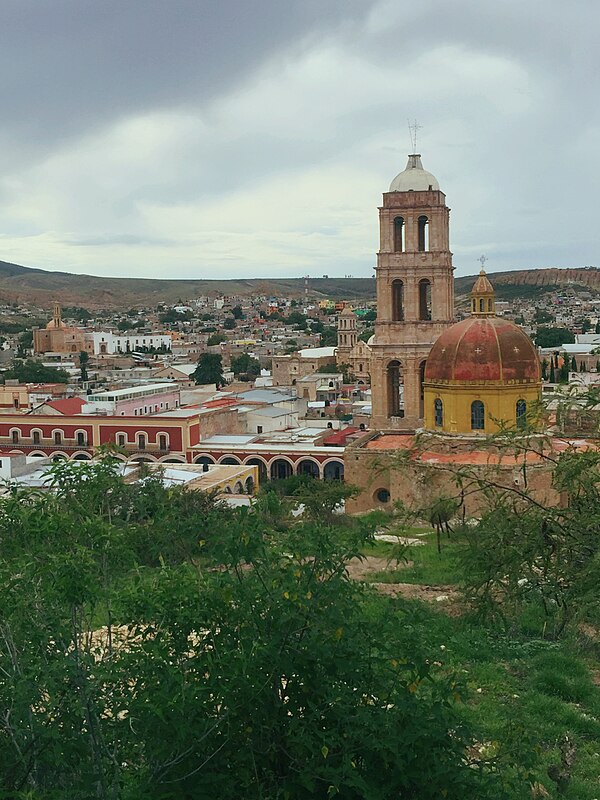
x=256, y=137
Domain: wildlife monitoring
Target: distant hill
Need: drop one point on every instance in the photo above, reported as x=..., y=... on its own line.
x=40, y=287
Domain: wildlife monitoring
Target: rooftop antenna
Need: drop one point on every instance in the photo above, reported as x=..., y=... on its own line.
x=413, y=127
x=482, y=259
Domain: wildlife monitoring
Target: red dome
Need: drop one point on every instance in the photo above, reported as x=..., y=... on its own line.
x=483, y=349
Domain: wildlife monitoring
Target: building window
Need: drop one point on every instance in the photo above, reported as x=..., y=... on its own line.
x=473, y=305
x=141, y=441
x=481, y=306
x=81, y=439
x=162, y=442
x=121, y=439
x=394, y=387
x=57, y=437
x=489, y=304
x=521, y=414
x=399, y=235
x=438, y=408
x=35, y=437
x=477, y=416
x=425, y=299
x=382, y=495
x=15, y=437
x=259, y=428
x=397, y=301
x=423, y=226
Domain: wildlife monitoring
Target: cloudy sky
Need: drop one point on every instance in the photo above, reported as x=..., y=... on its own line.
x=252, y=138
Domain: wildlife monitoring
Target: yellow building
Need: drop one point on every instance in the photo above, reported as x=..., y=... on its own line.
x=482, y=373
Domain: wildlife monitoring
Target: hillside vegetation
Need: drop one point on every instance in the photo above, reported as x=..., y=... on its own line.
x=26, y=285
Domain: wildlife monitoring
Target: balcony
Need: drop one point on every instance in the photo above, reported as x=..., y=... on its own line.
x=44, y=444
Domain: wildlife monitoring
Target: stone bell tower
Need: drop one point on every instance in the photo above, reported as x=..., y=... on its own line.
x=415, y=294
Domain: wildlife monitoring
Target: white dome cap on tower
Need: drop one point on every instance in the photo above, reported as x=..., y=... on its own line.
x=414, y=178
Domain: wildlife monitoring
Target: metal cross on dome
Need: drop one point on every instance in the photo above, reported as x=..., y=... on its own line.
x=413, y=127
x=478, y=350
x=482, y=259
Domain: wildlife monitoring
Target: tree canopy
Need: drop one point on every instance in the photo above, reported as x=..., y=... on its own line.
x=157, y=644
x=32, y=371
x=209, y=370
x=553, y=337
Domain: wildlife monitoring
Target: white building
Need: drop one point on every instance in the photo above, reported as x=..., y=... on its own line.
x=109, y=343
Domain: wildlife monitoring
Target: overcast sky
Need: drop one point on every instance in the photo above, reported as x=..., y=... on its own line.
x=252, y=138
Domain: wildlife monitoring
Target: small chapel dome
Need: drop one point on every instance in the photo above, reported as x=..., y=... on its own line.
x=414, y=178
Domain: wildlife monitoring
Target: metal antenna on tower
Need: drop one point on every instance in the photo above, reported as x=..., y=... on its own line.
x=413, y=127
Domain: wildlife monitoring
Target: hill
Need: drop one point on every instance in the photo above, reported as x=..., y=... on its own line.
x=40, y=287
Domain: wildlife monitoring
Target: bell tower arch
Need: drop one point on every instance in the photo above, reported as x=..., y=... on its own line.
x=415, y=293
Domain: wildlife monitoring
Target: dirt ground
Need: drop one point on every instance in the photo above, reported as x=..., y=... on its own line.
x=361, y=569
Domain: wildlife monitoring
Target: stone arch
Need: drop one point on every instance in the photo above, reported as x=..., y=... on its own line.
x=333, y=470
x=280, y=468
x=204, y=459
x=172, y=460
x=238, y=488
x=81, y=457
x=230, y=460
x=308, y=466
x=263, y=472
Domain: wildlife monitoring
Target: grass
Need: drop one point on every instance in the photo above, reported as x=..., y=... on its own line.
x=524, y=694
x=426, y=565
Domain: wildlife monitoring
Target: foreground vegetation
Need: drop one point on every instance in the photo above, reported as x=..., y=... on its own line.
x=155, y=643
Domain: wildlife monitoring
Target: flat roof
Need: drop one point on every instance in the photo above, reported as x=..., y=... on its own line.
x=132, y=391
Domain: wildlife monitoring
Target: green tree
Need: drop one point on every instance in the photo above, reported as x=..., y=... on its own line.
x=256, y=670
x=366, y=334
x=215, y=339
x=237, y=312
x=244, y=364
x=209, y=370
x=297, y=319
x=370, y=316
x=545, y=369
x=229, y=323
x=83, y=362
x=525, y=555
x=329, y=337
x=552, y=377
x=553, y=337
x=32, y=371
x=586, y=325
x=573, y=364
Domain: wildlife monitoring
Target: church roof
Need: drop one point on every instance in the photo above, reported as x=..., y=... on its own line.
x=482, y=285
x=414, y=178
x=479, y=350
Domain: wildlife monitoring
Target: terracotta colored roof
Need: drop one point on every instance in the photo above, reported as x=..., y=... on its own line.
x=69, y=406
x=221, y=402
x=339, y=437
x=482, y=349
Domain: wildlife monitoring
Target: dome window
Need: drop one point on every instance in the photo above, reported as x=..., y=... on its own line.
x=521, y=414
x=477, y=416
x=438, y=409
